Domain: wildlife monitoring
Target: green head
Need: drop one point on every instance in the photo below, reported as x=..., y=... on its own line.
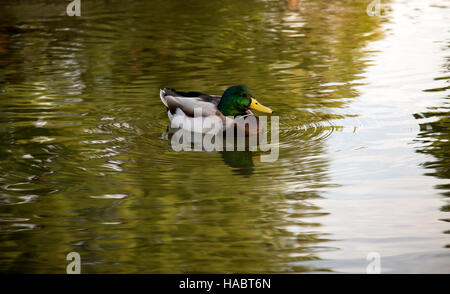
x=237, y=100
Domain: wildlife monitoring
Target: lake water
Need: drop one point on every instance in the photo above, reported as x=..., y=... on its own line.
x=364, y=155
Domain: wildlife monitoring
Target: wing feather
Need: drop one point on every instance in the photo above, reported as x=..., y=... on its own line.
x=188, y=102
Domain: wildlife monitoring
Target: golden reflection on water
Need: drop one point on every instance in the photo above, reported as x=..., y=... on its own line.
x=85, y=167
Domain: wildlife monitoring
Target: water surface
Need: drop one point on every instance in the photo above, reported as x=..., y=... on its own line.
x=364, y=137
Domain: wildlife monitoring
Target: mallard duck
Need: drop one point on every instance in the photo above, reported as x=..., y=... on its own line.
x=186, y=108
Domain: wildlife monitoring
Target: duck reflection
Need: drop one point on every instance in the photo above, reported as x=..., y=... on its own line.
x=241, y=161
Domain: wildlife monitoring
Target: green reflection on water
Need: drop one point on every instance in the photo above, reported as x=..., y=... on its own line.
x=84, y=166
x=434, y=135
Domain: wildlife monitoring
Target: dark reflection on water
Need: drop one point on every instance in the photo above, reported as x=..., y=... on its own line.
x=434, y=135
x=242, y=161
x=84, y=165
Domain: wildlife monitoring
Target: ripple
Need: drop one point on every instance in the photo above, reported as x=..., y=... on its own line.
x=111, y=196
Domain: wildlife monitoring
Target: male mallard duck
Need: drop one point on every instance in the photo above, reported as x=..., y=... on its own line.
x=185, y=108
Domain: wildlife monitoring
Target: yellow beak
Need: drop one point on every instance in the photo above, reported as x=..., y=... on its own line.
x=258, y=106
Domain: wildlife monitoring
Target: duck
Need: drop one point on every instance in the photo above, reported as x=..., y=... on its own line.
x=187, y=110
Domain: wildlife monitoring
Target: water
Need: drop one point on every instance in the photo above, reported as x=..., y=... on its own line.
x=364, y=137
